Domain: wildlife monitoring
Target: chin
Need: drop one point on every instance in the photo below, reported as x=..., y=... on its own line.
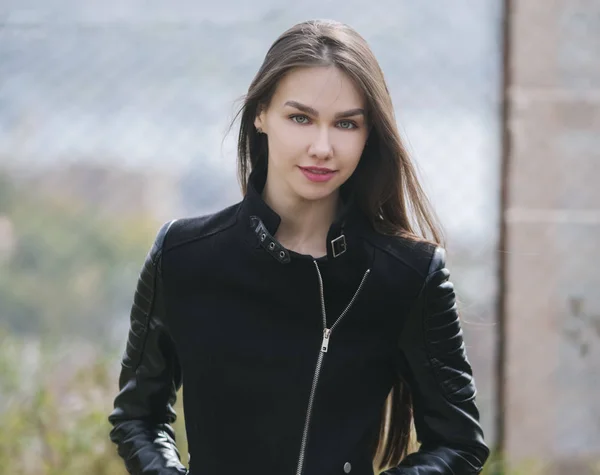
x=316, y=192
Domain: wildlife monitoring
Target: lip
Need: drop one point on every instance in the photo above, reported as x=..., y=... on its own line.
x=318, y=174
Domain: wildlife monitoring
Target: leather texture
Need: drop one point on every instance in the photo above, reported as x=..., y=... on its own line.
x=150, y=377
x=249, y=361
x=436, y=366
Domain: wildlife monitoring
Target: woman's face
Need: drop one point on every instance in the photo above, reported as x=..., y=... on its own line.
x=316, y=130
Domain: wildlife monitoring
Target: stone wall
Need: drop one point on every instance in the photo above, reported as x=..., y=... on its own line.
x=552, y=300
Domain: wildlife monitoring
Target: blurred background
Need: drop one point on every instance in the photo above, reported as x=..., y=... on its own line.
x=113, y=119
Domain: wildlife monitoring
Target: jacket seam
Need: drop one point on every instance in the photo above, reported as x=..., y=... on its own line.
x=207, y=234
x=159, y=250
x=424, y=331
x=430, y=356
x=375, y=244
x=154, y=259
x=146, y=325
x=414, y=308
x=426, y=344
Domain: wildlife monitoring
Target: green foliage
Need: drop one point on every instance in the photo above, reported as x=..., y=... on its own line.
x=68, y=272
x=55, y=420
x=7, y=193
x=72, y=268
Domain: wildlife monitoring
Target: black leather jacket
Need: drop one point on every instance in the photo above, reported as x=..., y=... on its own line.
x=287, y=360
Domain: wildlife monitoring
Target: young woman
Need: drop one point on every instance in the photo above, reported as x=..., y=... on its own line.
x=313, y=321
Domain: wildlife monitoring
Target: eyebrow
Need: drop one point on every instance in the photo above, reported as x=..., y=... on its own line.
x=311, y=111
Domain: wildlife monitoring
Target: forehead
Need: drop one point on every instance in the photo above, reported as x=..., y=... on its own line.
x=324, y=88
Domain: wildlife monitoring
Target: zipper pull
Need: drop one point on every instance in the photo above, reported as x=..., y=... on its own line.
x=325, y=343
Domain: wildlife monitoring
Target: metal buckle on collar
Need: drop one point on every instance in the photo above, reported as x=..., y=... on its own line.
x=338, y=245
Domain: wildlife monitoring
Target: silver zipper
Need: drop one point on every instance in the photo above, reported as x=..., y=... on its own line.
x=322, y=351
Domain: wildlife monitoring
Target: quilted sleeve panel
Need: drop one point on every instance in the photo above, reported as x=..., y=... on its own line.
x=149, y=379
x=443, y=336
x=433, y=362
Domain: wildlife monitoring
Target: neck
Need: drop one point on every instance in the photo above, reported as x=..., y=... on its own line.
x=304, y=223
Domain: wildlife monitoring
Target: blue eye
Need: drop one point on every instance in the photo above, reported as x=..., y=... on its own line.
x=352, y=125
x=303, y=120
x=294, y=117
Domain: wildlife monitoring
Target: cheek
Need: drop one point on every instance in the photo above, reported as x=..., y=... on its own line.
x=286, y=142
x=349, y=150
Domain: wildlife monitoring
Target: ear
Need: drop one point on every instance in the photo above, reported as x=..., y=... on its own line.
x=260, y=119
x=258, y=122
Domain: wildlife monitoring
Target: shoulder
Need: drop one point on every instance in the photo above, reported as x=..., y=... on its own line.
x=420, y=256
x=181, y=231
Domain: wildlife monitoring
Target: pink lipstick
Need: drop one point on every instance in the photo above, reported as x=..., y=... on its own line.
x=318, y=174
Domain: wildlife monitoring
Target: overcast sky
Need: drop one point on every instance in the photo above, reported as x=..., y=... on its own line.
x=150, y=83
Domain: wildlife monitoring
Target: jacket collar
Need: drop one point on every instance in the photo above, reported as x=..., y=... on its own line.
x=265, y=221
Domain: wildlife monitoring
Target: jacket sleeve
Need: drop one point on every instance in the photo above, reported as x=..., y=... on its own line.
x=149, y=379
x=434, y=363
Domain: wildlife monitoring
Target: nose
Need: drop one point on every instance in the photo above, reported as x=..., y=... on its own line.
x=321, y=148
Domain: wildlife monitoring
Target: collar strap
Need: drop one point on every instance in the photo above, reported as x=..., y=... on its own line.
x=268, y=242
x=280, y=253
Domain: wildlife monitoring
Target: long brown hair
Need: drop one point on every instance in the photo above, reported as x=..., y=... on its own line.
x=385, y=180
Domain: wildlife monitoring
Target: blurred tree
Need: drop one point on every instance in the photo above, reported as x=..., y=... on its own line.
x=73, y=267
x=6, y=193
x=55, y=423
